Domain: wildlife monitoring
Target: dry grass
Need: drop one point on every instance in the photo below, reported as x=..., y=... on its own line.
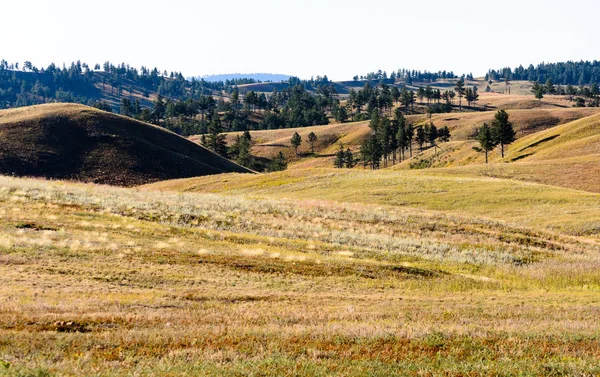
x=580, y=173
x=575, y=212
x=105, y=281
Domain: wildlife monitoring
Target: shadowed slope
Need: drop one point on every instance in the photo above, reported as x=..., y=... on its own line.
x=76, y=142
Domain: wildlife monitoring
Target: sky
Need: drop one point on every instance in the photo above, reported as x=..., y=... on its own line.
x=337, y=38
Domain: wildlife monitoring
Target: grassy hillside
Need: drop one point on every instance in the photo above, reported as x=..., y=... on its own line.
x=76, y=142
x=575, y=139
x=107, y=281
x=566, y=155
x=458, y=152
x=574, y=212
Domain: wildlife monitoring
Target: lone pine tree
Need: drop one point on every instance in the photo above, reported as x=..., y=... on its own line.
x=296, y=140
x=486, y=140
x=312, y=139
x=502, y=130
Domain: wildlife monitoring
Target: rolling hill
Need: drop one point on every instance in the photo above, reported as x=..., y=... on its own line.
x=570, y=160
x=67, y=141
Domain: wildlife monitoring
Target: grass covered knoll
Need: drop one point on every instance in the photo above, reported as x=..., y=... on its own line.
x=576, y=139
x=67, y=141
x=108, y=281
x=567, y=155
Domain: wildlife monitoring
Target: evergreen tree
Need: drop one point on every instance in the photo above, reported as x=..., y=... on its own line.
x=137, y=108
x=502, y=130
x=240, y=151
x=341, y=114
x=385, y=139
x=549, y=87
x=475, y=95
x=486, y=140
x=278, y=163
x=340, y=158
x=126, y=107
x=421, y=137
x=395, y=94
x=571, y=92
x=159, y=109
x=312, y=139
x=349, y=159
x=538, y=90
x=460, y=91
x=431, y=134
x=444, y=134
x=216, y=140
x=370, y=151
x=296, y=140
x=402, y=137
x=410, y=134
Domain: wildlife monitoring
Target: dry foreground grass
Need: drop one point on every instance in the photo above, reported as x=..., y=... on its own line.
x=105, y=281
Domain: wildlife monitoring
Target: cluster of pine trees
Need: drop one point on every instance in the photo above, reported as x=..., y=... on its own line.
x=406, y=75
x=361, y=103
x=23, y=85
x=292, y=107
x=574, y=73
x=240, y=151
x=391, y=139
x=500, y=133
x=582, y=96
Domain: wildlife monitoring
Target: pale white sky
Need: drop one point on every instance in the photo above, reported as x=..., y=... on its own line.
x=339, y=38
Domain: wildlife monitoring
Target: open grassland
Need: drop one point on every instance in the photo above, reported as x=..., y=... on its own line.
x=580, y=173
x=571, y=211
x=106, y=281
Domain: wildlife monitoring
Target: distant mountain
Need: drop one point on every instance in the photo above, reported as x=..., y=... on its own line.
x=254, y=76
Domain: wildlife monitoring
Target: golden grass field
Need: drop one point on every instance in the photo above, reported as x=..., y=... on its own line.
x=464, y=269
x=285, y=279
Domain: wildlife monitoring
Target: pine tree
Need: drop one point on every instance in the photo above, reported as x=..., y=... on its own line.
x=340, y=158
x=349, y=159
x=216, y=140
x=421, y=137
x=460, y=91
x=444, y=134
x=502, y=130
x=549, y=87
x=431, y=134
x=296, y=140
x=385, y=139
x=312, y=139
x=410, y=134
x=370, y=151
x=571, y=91
x=475, y=97
x=278, y=163
x=402, y=137
x=126, y=107
x=240, y=151
x=486, y=140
